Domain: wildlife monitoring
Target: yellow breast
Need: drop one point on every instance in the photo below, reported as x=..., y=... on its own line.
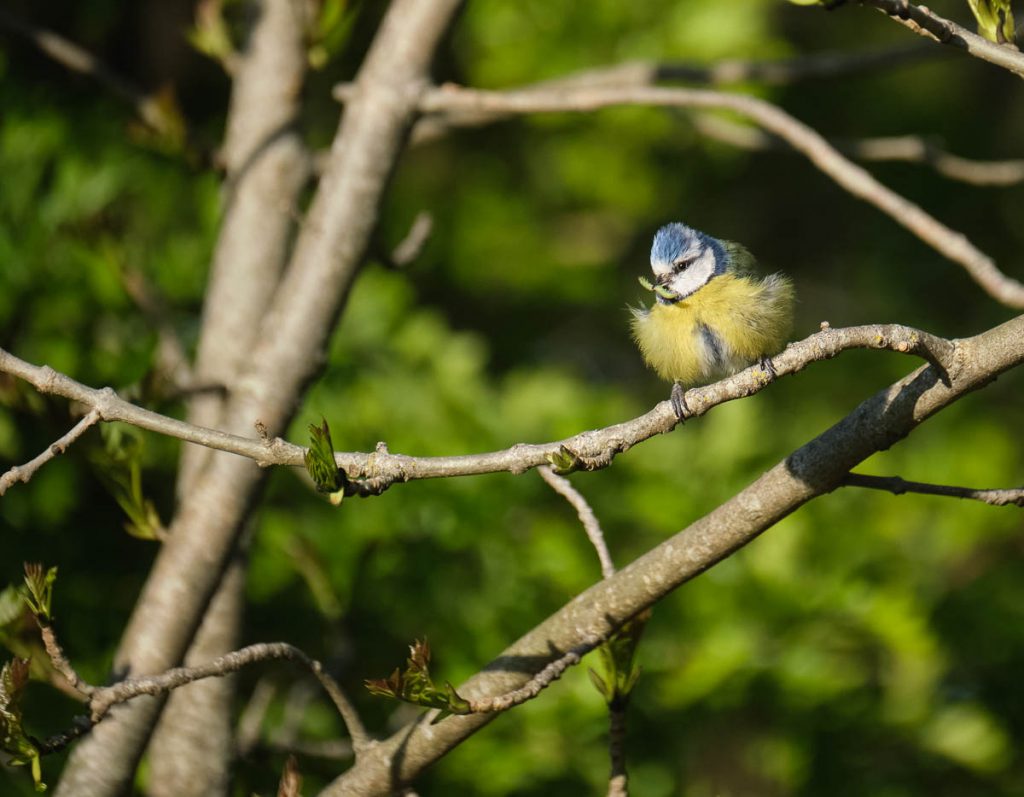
x=728, y=324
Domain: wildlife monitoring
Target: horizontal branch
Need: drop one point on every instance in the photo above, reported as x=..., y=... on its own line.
x=899, y=486
x=457, y=102
x=812, y=470
x=925, y=22
x=594, y=449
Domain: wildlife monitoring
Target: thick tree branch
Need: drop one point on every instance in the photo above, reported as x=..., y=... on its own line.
x=23, y=473
x=594, y=449
x=266, y=170
x=899, y=486
x=812, y=470
x=285, y=355
x=925, y=22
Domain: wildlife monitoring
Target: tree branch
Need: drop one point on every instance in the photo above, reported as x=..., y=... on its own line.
x=812, y=470
x=284, y=357
x=455, y=101
x=591, y=526
x=23, y=473
x=912, y=149
x=899, y=486
x=925, y=22
x=76, y=58
x=595, y=449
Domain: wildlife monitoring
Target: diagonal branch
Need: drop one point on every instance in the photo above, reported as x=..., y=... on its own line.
x=22, y=473
x=594, y=449
x=454, y=100
x=911, y=149
x=812, y=470
x=899, y=486
x=76, y=58
x=925, y=22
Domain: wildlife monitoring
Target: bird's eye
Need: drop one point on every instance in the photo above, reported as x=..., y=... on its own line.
x=682, y=263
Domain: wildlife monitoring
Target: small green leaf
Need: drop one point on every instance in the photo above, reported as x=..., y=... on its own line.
x=39, y=590
x=564, y=461
x=13, y=739
x=618, y=659
x=320, y=464
x=415, y=685
x=995, y=19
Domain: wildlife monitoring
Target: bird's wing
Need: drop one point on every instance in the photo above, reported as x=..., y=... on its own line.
x=741, y=262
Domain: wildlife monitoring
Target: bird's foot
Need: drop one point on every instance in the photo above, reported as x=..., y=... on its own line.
x=769, y=368
x=678, y=399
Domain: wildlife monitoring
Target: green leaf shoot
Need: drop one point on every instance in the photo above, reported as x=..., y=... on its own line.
x=13, y=739
x=320, y=464
x=416, y=686
x=39, y=591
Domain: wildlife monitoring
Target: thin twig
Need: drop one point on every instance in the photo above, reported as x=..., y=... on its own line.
x=250, y=722
x=23, y=473
x=60, y=661
x=105, y=698
x=912, y=149
x=925, y=22
x=375, y=471
x=171, y=359
x=76, y=58
x=591, y=525
x=450, y=99
x=899, y=486
x=618, y=783
x=720, y=73
x=411, y=246
x=537, y=684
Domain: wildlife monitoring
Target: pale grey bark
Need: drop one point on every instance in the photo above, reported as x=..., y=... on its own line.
x=285, y=357
x=812, y=470
x=266, y=167
x=193, y=745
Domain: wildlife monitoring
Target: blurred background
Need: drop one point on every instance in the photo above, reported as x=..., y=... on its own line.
x=867, y=645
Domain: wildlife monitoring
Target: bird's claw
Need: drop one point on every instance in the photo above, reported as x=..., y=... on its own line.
x=678, y=399
x=769, y=368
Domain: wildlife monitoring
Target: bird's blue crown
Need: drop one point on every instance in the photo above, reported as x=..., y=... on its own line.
x=675, y=238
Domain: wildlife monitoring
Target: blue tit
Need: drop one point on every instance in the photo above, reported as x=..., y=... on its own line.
x=713, y=315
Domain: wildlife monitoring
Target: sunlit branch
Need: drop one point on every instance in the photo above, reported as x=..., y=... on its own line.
x=925, y=22
x=23, y=473
x=899, y=486
x=591, y=525
x=910, y=149
x=450, y=99
x=375, y=471
x=812, y=470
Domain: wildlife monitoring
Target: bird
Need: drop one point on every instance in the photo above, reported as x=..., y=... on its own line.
x=713, y=315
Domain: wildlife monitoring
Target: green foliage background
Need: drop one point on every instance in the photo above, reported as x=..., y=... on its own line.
x=868, y=645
